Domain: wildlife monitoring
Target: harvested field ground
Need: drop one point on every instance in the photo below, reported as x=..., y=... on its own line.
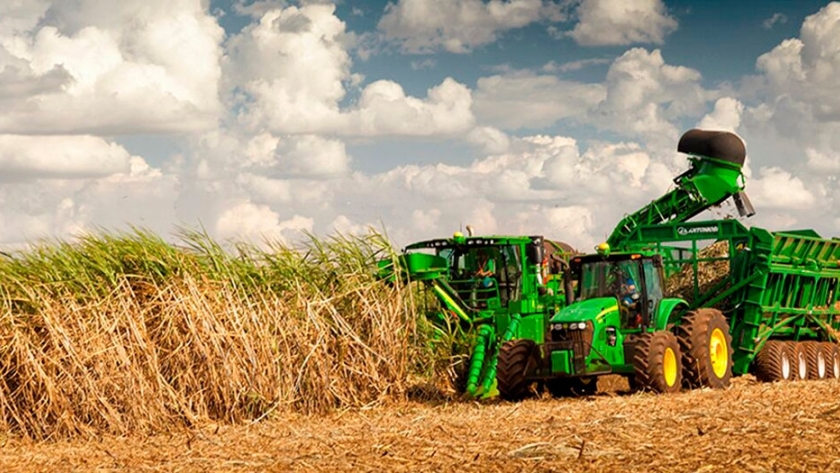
x=749, y=427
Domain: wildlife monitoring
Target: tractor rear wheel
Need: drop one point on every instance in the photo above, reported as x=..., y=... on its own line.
x=518, y=360
x=565, y=387
x=657, y=363
x=706, y=349
x=798, y=361
x=832, y=360
x=815, y=357
x=773, y=362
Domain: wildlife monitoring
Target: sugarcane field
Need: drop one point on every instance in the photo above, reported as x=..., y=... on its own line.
x=419, y=236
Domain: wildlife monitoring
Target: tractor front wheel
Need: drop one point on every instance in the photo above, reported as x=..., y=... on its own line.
x=657, y=363
x=706, y=349
x=774, y=362
x=518, y=360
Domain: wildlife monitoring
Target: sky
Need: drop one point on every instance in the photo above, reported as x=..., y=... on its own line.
x=267, y=119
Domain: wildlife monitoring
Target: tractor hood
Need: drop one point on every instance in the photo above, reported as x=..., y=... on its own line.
x=586, y=310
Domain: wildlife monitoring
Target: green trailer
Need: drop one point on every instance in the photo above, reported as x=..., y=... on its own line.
x=773, y=311
x=780, y=292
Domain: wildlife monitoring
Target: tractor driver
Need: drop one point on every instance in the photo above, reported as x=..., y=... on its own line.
x=486, y=267
x=628, y=299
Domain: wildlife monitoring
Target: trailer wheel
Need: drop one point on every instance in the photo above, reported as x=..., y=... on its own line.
x=815, y=357
x=706, y=349
x=517, y=361
x=773, y=362
x=832, y=358
x=657, y=363
x=565, y=387
x=799, y=363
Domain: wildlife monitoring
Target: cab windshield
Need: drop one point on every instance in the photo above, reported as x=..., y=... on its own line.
x=608, y=278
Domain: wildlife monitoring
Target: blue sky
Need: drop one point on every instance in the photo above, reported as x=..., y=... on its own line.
x=260, y=119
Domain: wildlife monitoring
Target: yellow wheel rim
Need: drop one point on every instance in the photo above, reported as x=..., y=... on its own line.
x=669, y=367
x=719, y=353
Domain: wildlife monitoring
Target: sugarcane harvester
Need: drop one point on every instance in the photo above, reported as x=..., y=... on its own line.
x=491, y=288
x=772, y=311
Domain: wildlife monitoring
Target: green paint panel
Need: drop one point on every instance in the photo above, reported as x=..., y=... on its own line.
x=561, y=362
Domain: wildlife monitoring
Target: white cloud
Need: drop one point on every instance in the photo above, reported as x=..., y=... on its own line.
x=345, y=226
x=553, y=67
x=297, y=155
x=726, y=115
x=805, y=69
x=489, y=139
x=645, y=97
x=522, y=99
x=113, y=71
x=27, y=157
x=622, y=22
x=823, y=161
x=777, y=188
x=257, y=8
x=19, y=16
x=293, y=65
x=423, y=26
x=258, y=223
x=776, y=19
x=384, y=109
x=572, y=224
x=137, y=195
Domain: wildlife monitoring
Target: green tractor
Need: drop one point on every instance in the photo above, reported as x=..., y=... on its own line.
x=620, y=322
x=493, y=288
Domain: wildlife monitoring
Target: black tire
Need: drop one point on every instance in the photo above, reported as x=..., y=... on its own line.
x=518, y=360
x=832, y=360
x=816, y=360
x=565, y=387
x=798, y=361
x=773, y=363
x=706, y=347
x=657, y=363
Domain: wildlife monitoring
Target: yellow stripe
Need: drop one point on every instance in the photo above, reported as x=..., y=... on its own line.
x=451, y=303
x=600, y=316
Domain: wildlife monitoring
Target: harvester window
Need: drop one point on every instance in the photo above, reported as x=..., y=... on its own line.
x=510, y=274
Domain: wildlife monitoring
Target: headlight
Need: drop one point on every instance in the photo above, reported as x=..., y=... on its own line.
x=582, y=325
x=557, y=327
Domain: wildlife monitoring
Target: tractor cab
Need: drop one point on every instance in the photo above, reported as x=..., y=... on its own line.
x=633, y=280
